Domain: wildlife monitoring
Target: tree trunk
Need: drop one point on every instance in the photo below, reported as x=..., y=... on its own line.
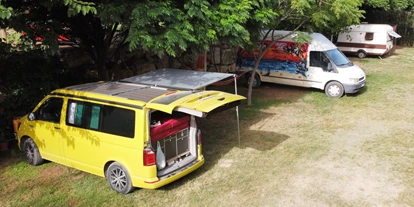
x=250, y=90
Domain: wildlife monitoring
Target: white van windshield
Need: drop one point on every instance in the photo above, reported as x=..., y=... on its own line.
x=338, y=58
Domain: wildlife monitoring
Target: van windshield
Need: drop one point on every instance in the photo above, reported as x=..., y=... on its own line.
x=338, y=58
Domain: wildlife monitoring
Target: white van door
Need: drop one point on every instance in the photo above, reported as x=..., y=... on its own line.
x=318, y=70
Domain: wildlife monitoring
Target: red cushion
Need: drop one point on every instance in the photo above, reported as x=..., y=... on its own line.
x=169, y=127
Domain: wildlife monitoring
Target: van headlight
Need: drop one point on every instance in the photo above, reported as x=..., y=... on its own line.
x=354, y=80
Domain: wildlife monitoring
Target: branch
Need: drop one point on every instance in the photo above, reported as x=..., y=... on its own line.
x=108, y=39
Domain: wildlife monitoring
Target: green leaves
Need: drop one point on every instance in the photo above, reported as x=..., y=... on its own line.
x=5, y=12
x=390, y=5
x=75, y=7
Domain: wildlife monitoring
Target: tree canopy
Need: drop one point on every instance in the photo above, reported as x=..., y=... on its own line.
x=390, y=4
x=103, y=27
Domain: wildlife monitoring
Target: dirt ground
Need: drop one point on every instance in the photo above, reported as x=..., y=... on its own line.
x=369, y=158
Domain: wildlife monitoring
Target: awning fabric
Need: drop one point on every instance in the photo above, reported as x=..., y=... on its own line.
x=394, y=34
x=178, y=79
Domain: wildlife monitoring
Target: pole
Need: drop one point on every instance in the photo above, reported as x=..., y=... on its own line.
x=237, y=110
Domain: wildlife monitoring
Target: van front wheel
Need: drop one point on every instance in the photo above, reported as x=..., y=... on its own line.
x=32, y=152
x=334, y=89
x=118, y=178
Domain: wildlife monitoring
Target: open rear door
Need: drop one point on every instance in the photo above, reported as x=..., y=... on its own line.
x=195, y=103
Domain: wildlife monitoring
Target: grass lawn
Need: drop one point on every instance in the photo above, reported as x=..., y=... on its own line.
x=298, y=148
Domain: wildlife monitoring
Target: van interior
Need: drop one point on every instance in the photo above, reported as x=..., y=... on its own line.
x=176, y=135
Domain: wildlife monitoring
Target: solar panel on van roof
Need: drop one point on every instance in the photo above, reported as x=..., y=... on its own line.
x=125, y=90
x=178, y=79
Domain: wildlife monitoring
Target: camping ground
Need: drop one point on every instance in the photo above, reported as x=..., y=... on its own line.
x=298, y=148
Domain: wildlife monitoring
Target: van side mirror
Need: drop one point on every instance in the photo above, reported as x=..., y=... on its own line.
x=31, y=116
x=330, y=68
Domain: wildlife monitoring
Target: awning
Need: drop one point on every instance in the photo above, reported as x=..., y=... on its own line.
x=394, y=34
x=178, y=79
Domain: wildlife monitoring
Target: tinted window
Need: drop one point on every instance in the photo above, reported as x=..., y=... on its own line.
x=118, y=121
x=318, y=59
x=83, y=114
x=369, y=36
x=50, y=110
x=108, y=119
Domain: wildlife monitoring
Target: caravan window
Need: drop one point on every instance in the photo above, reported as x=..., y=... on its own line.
x=369, y=36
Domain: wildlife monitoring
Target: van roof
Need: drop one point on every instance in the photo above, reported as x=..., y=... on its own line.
x=134, y=94
x=141, y=89
x=318, y=43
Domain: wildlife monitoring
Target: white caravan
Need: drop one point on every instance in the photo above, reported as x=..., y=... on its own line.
x=318, y=64
x=367, y=39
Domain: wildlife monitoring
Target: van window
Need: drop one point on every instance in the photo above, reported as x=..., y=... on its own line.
x=338, y=57
x=118, y=121
x=83, y=114
x=318, y=59
x=369, y=36
x=108, y=119
x=50, y=110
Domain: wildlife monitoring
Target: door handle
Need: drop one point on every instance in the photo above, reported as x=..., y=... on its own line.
x=57, y=127
x=30, y=125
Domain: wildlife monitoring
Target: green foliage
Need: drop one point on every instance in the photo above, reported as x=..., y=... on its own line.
x=76, y=7
x=390, y=5
x=5, y=12
x=170, y=27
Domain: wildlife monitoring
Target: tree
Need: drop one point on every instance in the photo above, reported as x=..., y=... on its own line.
x=298, y=15
x=390, y=5
x=163, y=27
x=171, y=27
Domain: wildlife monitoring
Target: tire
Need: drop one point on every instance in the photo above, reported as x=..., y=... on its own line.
x=32, y=152
x=334, y=89
x=361, y=54
x=118, y=178
x=256, y=83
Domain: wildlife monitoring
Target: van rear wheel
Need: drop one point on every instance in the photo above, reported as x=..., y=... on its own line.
x=334, y=89
x=256, y=80
x=118, y=178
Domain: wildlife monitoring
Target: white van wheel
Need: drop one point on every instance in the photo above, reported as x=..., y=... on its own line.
x=256, y=81
x=334, y=89
x=118, y=178
x=361, y=54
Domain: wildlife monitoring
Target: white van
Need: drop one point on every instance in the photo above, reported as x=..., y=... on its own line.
x=367, y=39
x=318, y=64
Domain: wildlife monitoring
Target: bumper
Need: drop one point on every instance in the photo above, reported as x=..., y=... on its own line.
x=354, y=88
x=170, y=179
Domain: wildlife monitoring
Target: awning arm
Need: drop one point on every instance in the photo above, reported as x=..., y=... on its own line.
x=237, y=109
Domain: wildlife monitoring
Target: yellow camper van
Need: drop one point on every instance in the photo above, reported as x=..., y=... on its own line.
x=137, y=132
